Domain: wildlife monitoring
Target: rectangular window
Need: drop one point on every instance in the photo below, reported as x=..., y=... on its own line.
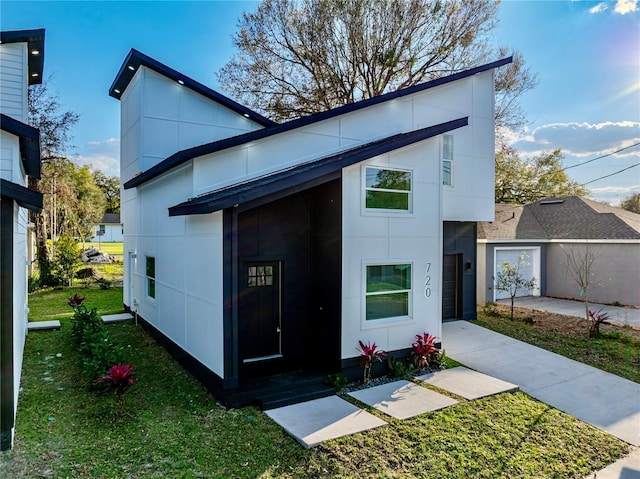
x=387, y=189
x=447, y=159
x=388, y=291
x=150, y=272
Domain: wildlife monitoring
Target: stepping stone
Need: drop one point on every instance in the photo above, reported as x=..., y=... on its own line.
x=116, y=318
x=313, y=422
x=43, y=325
x=402, y=399
x=467, y=383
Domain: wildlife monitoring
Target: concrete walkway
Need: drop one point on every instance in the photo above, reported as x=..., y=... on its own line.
x=599, y=398
x=618, y=315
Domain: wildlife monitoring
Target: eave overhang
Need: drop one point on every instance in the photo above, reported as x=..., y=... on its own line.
x=35, y=41
x=307, y=174
x=29, y=138
x=29, y=199
x=135, y=59
x=185, y=155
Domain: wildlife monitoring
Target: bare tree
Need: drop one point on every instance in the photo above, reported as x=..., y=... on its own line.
x=298, y=57
x=579, y=266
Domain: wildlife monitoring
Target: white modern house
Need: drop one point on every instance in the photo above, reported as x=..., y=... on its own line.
x=21, y=65
x=255, y=249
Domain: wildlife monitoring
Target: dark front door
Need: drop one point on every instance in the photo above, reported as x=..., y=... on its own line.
x=451, y=286
x=260, y=311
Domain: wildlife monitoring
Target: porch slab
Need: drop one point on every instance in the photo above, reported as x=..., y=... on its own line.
x=402, y=399
x=43, y=325
x=467, y=383
x=116, y=318
x=319, y=420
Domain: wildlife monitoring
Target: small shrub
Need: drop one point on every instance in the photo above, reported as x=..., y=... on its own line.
x=104, y=283
x=34, y=283
x=337, y=381
x=423, y=349
x=596, y=318
x=66, y=259
x=98, y=352
x=491, y=309
x=86, y=273
x=120, y=377
x=397, y=368
x=369, y=354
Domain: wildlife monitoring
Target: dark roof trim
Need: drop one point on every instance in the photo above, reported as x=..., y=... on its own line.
x=35, y=39
x=29, y=138
x=185, y=155
x=135, y=58
x=29, y=199
x=293, y=177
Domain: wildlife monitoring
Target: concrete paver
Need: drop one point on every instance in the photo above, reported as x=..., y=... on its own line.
x=313, y=422
x=43, y=325
x=402, y=399
x=116, y=318
x=599, y=398
x=467, y=383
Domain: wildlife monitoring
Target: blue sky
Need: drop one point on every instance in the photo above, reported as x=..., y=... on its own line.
x=586, y=55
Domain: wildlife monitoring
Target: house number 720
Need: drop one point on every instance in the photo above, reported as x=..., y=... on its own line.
x=427, y=281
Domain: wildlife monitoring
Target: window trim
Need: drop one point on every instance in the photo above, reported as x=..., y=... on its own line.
x=392, y=320
x=450, y=160
x=150, y=279
x=387, y=211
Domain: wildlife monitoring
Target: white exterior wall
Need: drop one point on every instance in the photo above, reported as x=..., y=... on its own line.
x=20, y=307
x=14, y=81
x=11, y=168
x=470, y=199
x=379, y=238
x=188, y=258
x=112, y=233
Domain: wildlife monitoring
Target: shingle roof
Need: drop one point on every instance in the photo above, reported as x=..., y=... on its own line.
x=111, y=218
x=570, y=217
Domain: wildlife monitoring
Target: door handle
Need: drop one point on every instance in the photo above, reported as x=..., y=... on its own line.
x=278, y=330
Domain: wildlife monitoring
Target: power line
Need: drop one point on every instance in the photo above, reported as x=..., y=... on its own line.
x=600, y=157
x=612, y=174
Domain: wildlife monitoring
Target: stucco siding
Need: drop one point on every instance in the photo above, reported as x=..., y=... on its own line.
x=616, y=272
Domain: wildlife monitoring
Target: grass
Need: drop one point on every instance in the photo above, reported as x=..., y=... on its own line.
x=173, y=428
x=614, y=351
x=109, y=248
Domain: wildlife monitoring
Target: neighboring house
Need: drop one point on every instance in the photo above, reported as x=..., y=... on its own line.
x=109, y=230
x=549, y=231
x=21, y=65
x=254, y=248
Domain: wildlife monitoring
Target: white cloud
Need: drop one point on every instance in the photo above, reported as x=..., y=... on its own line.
x=582, y=139
x=626, y=6
x=102, y=155
x=599, y=8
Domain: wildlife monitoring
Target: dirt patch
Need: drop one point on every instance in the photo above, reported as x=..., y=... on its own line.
x=544, y=320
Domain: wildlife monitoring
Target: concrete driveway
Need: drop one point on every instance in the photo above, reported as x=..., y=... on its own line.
x=618, y=315
x=599, y=398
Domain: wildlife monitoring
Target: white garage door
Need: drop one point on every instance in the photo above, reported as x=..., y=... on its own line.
x=529, y=268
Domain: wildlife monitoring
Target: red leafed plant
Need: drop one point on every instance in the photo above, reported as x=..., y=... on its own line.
x=75, y=300
x=423, y=349
x=120, y=377
x=368, y=354
x=597, y=318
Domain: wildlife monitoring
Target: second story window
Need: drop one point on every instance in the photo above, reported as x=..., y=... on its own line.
x=447, y=160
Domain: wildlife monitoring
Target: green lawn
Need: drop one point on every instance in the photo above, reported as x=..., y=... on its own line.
x=173, y=428
x=109, y=248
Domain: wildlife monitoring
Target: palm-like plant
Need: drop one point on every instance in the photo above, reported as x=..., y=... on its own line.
x=120, y=377
x=368, y=354
x=423, y=348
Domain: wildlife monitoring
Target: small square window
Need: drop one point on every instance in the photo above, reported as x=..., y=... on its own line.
x=259, y=276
